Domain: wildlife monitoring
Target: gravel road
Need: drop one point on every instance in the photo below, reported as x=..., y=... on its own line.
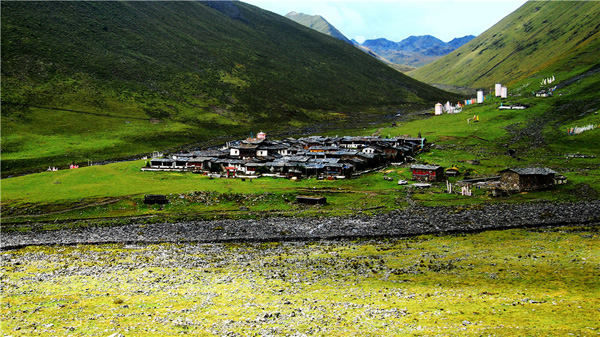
x=413, y=221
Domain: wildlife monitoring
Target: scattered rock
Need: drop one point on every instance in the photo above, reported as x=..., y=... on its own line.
x=415, y=220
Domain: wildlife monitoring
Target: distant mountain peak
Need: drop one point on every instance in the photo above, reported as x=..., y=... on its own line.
x=318, y=23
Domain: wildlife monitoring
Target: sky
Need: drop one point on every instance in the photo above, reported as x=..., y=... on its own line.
x=396, y=20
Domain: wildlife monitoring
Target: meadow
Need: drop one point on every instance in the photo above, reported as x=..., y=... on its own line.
x=537, y=136
x=516, y=282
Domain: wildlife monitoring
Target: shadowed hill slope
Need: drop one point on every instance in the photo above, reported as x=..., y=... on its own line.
x=99, y=80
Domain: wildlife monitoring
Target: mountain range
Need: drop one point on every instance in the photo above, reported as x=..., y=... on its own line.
x=405, y=55
x=414, y=51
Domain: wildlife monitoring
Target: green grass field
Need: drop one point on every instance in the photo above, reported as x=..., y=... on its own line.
x=538, y=135
x=526, y=282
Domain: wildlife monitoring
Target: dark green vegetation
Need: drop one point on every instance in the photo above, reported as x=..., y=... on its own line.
x=536, y=282
x=85, y=80
x=540, y=38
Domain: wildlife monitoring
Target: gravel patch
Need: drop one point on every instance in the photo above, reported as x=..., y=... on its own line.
x=413, y=221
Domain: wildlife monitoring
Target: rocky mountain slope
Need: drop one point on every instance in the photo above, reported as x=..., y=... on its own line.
x=317, y=23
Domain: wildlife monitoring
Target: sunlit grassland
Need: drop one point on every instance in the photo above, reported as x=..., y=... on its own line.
x=79, y=134
x=117, y=190
x=553, y=36
x=514, y=282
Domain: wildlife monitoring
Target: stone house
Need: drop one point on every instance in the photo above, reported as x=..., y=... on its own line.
x=527, y=179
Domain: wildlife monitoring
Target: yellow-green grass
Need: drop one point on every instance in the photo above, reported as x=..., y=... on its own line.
x=503, y=283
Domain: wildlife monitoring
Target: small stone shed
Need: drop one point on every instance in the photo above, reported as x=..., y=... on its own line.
x=151, y=199
x=427, y=172
x=311, y=200
x=527, y=179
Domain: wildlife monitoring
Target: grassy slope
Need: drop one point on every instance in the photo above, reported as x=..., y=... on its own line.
x=501, y=283
x=533, y=41
x=538, y=135
x=195, y=72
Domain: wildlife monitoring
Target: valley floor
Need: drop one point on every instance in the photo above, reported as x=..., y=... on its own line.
x=536, y=281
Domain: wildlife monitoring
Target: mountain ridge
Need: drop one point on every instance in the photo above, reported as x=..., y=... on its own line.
x=318, y=23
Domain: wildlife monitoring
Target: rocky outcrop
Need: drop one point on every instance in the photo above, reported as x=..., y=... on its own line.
x=413, y=221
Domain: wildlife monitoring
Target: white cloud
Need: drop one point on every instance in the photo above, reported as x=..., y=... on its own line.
x=359, y=38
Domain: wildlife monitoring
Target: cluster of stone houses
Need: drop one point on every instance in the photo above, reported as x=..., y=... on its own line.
x=508, y=180
x=336, y=157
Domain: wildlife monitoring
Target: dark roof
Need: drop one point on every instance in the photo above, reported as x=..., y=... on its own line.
x=230, y=161
x=253, y=141
x=366, y=155
x=324, y=148
x=425, y=167
x=531, y=171
x=210, y=153
x=245, y=146
x=201, y=159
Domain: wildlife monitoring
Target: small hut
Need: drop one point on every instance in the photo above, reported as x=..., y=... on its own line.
x=439, y=109
x=311, y=200
x=479, y=96
x=452, y=172
x=151, y=199
x=504, y=92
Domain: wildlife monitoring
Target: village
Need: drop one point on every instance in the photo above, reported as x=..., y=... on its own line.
x=315, y=156
x=350, y=156
x=340, y=158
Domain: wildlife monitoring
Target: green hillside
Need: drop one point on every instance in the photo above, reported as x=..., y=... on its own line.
x=539, y=39
x=103, y=80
